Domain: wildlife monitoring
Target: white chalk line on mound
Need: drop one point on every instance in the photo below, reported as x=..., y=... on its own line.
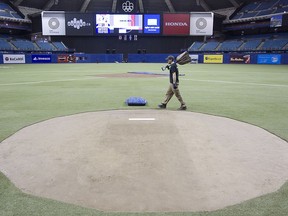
x=239, y=83
x=48, y=81
x=141, y=119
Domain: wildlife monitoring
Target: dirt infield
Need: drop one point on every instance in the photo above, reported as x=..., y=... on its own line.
x=145, y=160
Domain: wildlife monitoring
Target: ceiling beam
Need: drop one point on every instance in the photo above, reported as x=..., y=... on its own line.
x=234, y=3
x=141, y=7
x=84, y=6
x=49, y=5
x=114, y=6
x=170, y=6
x=204, y=5
x=18, y=2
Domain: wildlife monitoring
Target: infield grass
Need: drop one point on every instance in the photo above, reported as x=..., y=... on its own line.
x=31, y=93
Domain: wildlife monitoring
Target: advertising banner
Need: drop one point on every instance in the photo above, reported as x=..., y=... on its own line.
x=53, y=23
x=239, y=59
x=41, y=58
x=152, y=23
x=176, y=24
x=214, y=59
x=79, y=24
x=194, y=58
x=269, y=59
x=66, y=59
x=13, y=59
x=201, y=23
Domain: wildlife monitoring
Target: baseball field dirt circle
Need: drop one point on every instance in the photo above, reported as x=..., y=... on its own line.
x=145, y=160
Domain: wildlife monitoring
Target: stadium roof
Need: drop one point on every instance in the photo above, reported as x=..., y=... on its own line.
x=145, y=6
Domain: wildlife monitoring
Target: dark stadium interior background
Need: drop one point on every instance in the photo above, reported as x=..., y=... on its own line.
x=239, y=25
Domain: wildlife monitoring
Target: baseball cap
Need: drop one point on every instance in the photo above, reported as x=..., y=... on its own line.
x=170, y=57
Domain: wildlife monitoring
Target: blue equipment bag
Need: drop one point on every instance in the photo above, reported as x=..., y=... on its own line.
x=136, y=101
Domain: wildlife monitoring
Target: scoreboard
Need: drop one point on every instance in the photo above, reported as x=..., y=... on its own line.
x=99, y=24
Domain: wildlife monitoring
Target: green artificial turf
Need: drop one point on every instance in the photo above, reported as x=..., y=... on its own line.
x=256, y=94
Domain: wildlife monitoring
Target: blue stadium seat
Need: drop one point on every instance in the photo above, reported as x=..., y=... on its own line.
x=276, y=44
x=266, y=5
x=5, y=14
x=46, y=46
x=24, y=45
x=60, y=46
x=249, y=14
x=195, y=46
x=251, y=45
x=283, y=2
x=4, y=45
x=230, y=45
x=7, y=11
x=266, y=12
x=210, y=46
x=255, y=9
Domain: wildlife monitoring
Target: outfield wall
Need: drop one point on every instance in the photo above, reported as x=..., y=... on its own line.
x=229, y=58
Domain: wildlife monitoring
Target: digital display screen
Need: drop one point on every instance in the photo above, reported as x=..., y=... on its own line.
x=276, y=21
x=152, y=24
x=79, y=24
x=119, y=24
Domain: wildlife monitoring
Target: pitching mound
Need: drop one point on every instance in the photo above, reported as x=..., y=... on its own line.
x=145, y=160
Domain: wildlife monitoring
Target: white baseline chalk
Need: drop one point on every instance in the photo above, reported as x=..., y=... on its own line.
x=142, y=119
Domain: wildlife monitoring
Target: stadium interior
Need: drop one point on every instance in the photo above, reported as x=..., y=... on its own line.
x=239, y=26
x=71, y=144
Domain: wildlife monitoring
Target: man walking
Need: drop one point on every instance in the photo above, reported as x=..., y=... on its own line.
x=174, y=85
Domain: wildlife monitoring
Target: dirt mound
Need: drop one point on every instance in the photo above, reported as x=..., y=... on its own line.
x=145, y=160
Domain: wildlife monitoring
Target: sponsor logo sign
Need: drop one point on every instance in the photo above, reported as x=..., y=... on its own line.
x=176, y=24
x=53, y=23
x=79, y=24
x=216, y=59
x=194, y=58
x=41, y=59
x=152, y=23
x=239, y=59
x=201, y=23
x=66, y=59
x=269, y=59
x=13, y=59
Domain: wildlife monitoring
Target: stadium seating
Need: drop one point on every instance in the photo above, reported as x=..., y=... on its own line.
x=275, y=44
x=263, y=8
x=5, y=46
x=230, y=45
x=60, y=46
x=8, y=12
x=250, y=45
x=210, y=46
x=8, y=43
x=24, y=45
x=195, y=46
x=266, y=5
x=46, y=46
